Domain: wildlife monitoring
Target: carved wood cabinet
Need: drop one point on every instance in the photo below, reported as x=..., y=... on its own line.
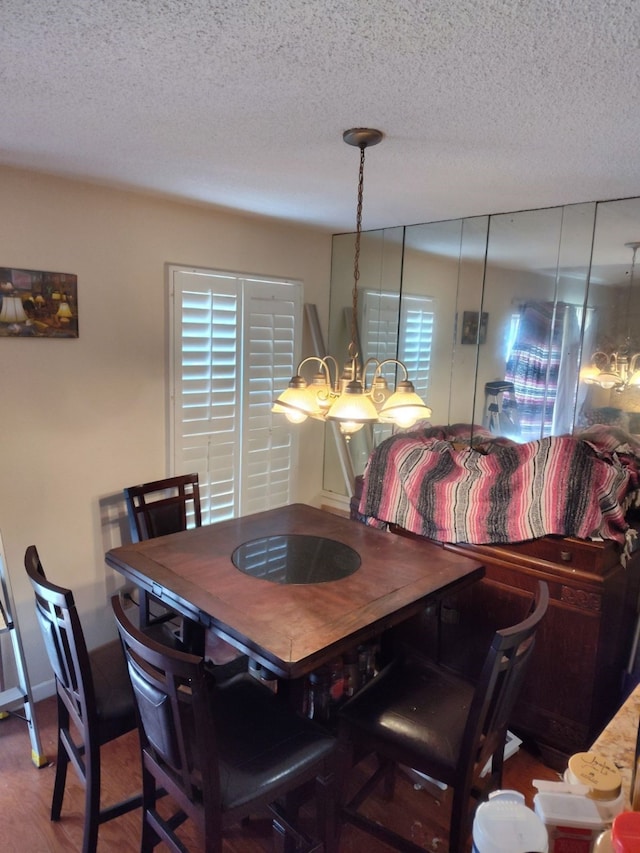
x=577, y=677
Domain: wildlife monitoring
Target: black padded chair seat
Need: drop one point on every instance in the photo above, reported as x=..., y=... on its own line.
x=115, y=704
x=222, y=751
x=407, y=704
x=268, y=755
x=420, y=714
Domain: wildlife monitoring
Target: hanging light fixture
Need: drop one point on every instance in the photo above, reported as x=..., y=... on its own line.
x=345, y=398
x=617, y=370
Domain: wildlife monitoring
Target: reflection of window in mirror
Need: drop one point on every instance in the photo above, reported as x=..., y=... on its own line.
x=417, y=328
x=379, y=324
x=412, y=342
x=512, y=333
x=379, y=337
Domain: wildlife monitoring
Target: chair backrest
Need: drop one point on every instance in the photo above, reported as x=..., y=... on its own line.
x=497, y=691
x=163, y=506
x=171, y=690
x=64, y=641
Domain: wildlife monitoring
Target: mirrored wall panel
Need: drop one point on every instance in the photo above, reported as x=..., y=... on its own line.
x=534, y=295
x=497, y=319
x=377, y=333
x=612, y=329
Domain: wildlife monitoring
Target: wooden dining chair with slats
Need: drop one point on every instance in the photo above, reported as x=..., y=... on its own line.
x=421, y=715
x=163, y=506
x=222, y=751
x=159, y=508
x=94, y=699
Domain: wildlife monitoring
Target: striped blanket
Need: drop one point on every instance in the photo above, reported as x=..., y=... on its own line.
x=435, y=482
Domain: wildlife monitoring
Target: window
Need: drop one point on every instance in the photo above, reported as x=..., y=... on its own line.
x=417, y=316
x=412, y=343
x=408, y=338
x=235, y=343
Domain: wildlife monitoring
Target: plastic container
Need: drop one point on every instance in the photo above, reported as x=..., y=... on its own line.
x=319, y=696
x=598, y=774
x=577, y=814
x=572, y=821
x=504, y=824
x=625, y=833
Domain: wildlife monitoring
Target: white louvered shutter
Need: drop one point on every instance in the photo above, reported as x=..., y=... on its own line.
x=412, y=344
x=272, y=318
x=379, y=336
x=235, y=346
x=417, y=316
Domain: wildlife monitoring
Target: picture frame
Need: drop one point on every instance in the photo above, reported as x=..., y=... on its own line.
x=38, y=304
x=474, y=327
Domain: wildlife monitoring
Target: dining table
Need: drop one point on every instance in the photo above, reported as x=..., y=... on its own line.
x=296, y=586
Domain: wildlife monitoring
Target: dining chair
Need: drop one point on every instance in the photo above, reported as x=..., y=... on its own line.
x=221, y=750
x=94, y=699
x=163, y=506
x=421, y=715
x=159, y=508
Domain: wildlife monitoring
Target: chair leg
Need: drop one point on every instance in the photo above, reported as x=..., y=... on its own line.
x=143, y=610
x=62, y=763
x=459, y=821
x=149, y=836
x=92, y=799
x=327, y=809
x=279, y=836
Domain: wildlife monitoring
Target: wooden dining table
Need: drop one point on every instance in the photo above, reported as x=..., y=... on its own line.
x=291, y=628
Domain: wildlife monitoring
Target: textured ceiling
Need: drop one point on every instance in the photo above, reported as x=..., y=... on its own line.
x=486, y=105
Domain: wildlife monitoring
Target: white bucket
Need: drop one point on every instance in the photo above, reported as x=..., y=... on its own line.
x=504, y=824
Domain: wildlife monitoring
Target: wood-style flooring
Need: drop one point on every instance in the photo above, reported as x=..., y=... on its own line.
x=25, y=800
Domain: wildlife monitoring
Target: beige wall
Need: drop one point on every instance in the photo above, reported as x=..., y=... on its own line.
x=82, y=418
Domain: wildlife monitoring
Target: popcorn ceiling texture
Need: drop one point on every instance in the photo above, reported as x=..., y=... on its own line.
x=486, y=105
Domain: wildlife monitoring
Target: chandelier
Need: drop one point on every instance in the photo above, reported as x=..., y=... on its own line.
x=344, y=398
x=616, y=370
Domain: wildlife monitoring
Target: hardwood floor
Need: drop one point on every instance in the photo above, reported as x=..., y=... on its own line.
x=25, y=800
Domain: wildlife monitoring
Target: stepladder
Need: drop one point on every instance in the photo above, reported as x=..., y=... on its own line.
x=501, y=409
x=15, y=698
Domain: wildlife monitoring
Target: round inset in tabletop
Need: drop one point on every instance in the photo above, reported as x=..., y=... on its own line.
x=295, y=558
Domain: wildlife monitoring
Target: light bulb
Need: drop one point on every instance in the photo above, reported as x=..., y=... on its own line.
x=348, y=428
x=406, y=416
x=295, y=417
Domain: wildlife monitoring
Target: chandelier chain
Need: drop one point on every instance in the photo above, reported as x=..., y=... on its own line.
x=356, y=260
x=346, y=400
x=634, y=248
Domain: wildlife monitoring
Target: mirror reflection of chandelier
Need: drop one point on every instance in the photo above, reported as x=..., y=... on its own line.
x=345, y=398
x=617, y=370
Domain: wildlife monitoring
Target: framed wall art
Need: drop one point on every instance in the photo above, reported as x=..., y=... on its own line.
x=471, y=334
x=37, y=304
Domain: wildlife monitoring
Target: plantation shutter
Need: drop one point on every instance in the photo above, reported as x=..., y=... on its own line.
x=272, y=318
x=380, y=340
x=413, y=344
x=235, y=345
x=379, y=331
x=417, y=316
